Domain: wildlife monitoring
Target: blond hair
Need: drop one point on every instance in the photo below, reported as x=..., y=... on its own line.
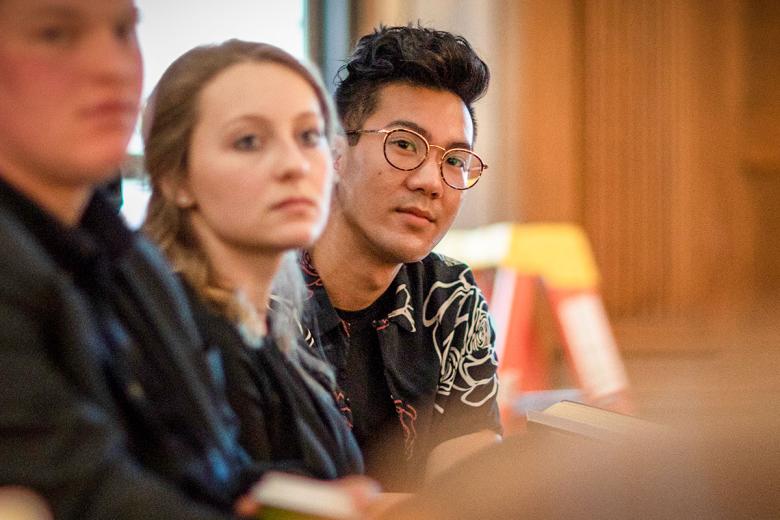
x=169, y=119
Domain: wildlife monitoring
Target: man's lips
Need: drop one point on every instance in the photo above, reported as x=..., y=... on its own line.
x=417, y=212
x=112, y=107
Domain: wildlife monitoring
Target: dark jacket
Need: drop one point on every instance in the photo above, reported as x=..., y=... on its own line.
x=133, y=429
x=287, y=412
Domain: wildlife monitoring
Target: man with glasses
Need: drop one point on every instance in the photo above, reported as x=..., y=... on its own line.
x=406, y=329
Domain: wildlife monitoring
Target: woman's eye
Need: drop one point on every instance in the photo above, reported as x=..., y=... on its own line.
x=247, y=142
x=312, y=137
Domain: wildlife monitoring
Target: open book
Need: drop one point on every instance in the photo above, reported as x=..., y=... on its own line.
x=290, y=497
x=589, y=421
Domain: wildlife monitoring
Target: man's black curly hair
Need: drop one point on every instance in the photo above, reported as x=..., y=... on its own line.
x=414, y=55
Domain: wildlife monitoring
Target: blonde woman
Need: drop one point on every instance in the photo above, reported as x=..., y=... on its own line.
x=238, y=150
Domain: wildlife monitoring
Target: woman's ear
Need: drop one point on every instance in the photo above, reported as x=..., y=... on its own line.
x=178, y=191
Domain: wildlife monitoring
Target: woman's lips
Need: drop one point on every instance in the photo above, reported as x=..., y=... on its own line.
x=295, y=202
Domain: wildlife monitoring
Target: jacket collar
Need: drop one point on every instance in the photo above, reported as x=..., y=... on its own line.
x=327, y=318
x=101, y=229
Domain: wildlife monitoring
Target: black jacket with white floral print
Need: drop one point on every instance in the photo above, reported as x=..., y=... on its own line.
x=438, y=347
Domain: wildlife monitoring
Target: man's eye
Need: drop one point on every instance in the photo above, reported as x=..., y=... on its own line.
x=404, y=145
x=57, y=34
x=312, y=137
x=456, y=162
x=125, y=31
x=247, y=142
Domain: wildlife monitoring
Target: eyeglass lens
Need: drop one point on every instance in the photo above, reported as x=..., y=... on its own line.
x=406, y=151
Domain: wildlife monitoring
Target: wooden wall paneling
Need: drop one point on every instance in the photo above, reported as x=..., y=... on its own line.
x=762, y=91
x=545, y=104
x=761, y=147
x=660, y=154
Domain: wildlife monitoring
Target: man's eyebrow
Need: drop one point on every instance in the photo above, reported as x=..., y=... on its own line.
x=55, y=10
x=134, y=14
x=411, y=125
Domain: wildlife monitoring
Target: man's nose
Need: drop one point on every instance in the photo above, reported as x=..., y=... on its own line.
x=113, y=57
x=427, y=176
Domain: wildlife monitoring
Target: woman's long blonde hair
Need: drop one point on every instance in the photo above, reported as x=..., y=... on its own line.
x=169, y=119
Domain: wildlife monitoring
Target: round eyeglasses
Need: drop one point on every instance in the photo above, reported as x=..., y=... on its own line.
x=407, y=150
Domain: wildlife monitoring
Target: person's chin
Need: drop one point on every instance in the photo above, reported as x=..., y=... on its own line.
x=296, y=239
x=407, y=249
x=107, y=155
x=93, y=172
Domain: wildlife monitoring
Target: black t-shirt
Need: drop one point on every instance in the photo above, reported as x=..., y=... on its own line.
x=374, y=415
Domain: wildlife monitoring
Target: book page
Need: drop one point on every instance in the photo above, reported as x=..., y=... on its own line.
x=591, y=421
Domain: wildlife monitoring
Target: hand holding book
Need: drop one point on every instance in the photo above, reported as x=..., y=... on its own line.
x=282, y=496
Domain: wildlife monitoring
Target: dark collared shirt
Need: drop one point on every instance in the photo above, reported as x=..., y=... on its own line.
x=437, y=348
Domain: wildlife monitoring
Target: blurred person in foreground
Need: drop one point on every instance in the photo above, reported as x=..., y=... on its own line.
x=109, y=407
x=407, y=330
x=730, y=472
x=18, y=503
x=238, y=149
x=712, y=452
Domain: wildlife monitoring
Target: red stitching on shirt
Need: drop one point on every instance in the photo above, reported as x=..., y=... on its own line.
x=307, y=266
x=407, y=415
x=344, y=408
x=345, y=325
x=381, y=324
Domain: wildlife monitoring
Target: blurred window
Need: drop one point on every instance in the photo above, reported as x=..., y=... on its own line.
x=167, y=29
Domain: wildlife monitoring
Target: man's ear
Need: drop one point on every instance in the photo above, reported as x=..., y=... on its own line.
x=338, y=149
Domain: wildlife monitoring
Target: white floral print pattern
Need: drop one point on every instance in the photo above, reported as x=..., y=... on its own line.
x=464, y=347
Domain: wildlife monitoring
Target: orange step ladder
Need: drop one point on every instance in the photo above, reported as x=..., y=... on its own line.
x=511, y=262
